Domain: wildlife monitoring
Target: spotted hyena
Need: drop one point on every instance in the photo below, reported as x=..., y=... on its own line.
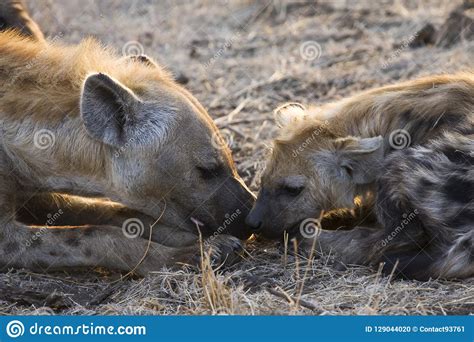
x=82, y=121
x=405, y=151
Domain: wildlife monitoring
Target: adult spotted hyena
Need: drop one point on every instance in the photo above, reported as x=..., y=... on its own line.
x=405, y=150
x=79, y=120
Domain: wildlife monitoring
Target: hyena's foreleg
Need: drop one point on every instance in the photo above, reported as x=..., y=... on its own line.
x=458, y=260
x=371, y=247
x=64, y=210
x=97, y=246
x=358, y=246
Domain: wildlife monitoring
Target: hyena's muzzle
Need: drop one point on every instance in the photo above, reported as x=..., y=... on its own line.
x=225, y=210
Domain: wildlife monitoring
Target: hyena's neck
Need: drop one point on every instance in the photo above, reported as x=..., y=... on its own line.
x=39, y=104
x=56, y=157
x=359, y=118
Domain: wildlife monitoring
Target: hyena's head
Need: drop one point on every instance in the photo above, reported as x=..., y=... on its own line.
x=163, y=149
x=310, y=169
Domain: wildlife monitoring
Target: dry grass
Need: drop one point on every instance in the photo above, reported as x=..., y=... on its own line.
x=242, y=60
x=262, y=284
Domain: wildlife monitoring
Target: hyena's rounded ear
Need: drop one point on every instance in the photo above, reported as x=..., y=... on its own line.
x=288, y=113
x=144, y=59
x=108, y=109
x=359, y=158
x=358, y=146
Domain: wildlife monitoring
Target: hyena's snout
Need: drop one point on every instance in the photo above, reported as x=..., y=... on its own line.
x=234, y=202
x=260, y=214
x=255, y=217
x=268, y=217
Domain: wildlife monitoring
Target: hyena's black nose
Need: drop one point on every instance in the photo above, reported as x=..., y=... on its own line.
x=254, y=221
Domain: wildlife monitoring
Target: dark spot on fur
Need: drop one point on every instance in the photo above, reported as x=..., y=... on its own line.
x=1, y=236
x=405, y=118
x=55, y=253
x=466, y=244
x=448, y=120
x=73, y=241
x=424, y=186
x=128, y=258
x=459, y=190
x=468, y=130
x=426, y=182
x=425, y=162
x=36, y=241
x=90, y=231
x=11, y=247
x=456, y=156
x=463, y=218
x=419, y=126
x=88, y=252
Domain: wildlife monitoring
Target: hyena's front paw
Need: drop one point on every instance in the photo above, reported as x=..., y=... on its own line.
x=221, y=250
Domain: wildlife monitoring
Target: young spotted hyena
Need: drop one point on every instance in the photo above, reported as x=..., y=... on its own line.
x=78, y=120
x=407, y=150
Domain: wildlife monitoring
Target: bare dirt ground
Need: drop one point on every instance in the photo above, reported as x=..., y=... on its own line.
x=241, y=59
